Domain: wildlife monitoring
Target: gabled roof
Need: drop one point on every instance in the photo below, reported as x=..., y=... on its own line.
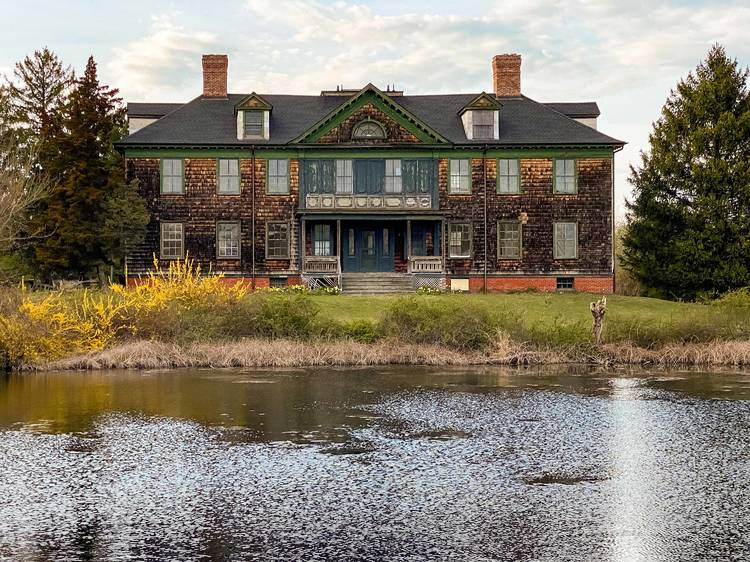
x=372, y=95
x=482, y=101
x=212, y=122
x=150, y=110
x=253, y=101
x=579, y=109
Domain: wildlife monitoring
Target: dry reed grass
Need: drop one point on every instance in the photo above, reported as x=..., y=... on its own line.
x=290, y=353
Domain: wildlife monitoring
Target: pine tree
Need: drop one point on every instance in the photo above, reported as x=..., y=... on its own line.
x=39, y=91
x=689, y=219
x=79, y=237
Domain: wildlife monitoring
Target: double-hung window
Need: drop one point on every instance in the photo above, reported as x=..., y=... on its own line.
x=393, y=182
x=253, y=124
x=565, y=240
x=565, y=175
x=344, y=178
x=322, y=240
x=172, y=246
x=172, y=176
x=229, y=176
x=228, y=240
x=460, y=176
x=483, y=124
x=507, y=176
x=277, y=240
x=459, y=239
x=278, y=177
x=508, y=240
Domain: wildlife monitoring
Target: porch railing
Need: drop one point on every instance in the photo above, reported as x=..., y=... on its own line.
x=425, y=264
x=321, y=264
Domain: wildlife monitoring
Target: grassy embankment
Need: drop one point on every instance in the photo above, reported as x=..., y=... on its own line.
x=182, y=320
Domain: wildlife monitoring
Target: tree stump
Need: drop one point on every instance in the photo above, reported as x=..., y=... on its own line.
x=598, y=309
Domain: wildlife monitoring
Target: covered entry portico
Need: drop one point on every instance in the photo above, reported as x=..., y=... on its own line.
x=336, y=244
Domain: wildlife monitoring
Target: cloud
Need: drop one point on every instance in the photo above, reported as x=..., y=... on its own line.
x=163, y=64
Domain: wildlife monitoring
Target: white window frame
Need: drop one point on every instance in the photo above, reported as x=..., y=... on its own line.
x=228, y=248
x=344, y=176
x=228, y=176
x=518, y=240
x=565, y=174
x=393, y=177
x=262, y=123
x=468, y=231
x=459, y=176
x=171, y=178
x=171, y=235
x=508, y=176
x=563, y=247
x=277, y=182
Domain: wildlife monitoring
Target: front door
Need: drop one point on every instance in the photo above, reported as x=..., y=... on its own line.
x=368, y=247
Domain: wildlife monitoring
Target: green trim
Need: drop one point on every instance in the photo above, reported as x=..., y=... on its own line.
x=450, y=168
x=518, y=177
x=263, y=104
x=492, y=103
x=268, y=174
x=288, y=241
x=575, y=177
x=320, y=151
x=370, y=94
x=520, y=239
x=161, y=177
x=239, y=247
x=218, y=178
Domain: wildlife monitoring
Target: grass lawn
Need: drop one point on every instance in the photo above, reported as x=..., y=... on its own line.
x=532, y=307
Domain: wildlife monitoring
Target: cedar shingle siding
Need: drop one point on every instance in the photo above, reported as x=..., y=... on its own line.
x=428, y=129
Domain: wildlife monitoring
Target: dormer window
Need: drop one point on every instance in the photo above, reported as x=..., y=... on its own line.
x=253, y=118
x=368, y=130
x=253, y=124
x=483, y=124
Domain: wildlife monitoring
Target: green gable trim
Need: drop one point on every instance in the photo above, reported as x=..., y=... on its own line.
x=371, y=95
x=296, y=152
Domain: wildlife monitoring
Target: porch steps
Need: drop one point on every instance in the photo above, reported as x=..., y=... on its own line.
x=376, y=283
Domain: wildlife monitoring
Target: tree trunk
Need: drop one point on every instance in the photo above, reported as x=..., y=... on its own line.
x=598, y=309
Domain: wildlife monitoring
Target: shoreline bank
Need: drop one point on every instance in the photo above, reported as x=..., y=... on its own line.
x=290, y=353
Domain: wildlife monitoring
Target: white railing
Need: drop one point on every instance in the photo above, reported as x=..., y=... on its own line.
x=321, y=264
x=425, y=264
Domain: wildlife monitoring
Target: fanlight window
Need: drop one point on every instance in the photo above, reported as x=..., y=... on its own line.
x=368, y=130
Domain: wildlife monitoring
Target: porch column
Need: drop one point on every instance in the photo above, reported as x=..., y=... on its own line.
x=338, y=242
x=408, y=239
x=303, y=237
x=442, y=242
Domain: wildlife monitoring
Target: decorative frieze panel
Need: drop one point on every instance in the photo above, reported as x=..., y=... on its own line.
x=368, y=202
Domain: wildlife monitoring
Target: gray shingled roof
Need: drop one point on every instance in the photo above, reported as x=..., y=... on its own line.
x=523, y=121
x=576, y=108
x=138, y=109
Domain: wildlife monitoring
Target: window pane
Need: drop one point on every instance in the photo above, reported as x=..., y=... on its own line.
x=459, y=240
x=344, y=182
x=386, y=243
x=278, y=179
x=253, y=124
x=171, y=181
x=277, y=240
x=509, y=239
x=228, y=240
x=351, y=242
x=171, y=240
x=460, y=178
x=565, y=240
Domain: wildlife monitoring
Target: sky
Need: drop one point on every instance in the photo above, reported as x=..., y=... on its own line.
x=626, y=56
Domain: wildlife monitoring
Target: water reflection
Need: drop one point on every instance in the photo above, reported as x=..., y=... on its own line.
x=396, y=464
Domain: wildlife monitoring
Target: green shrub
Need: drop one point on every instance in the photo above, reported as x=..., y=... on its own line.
x=362, y=331
x=273, y=315
x=458, y=324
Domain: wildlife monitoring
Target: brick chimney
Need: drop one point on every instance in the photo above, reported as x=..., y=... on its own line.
x=215, y=76
x=506, y=75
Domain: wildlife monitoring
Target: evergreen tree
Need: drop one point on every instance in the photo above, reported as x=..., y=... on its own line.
x=38, y=92
x=82, y=236
x=689, y=219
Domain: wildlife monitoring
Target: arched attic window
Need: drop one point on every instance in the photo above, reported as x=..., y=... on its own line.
x=368, y=130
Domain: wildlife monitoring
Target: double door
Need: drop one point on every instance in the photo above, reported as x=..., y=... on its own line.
x=368, y=247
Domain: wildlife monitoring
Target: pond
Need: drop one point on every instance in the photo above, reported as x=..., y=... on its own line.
x=376, y=464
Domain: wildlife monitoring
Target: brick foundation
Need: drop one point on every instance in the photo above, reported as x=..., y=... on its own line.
x=546, y=284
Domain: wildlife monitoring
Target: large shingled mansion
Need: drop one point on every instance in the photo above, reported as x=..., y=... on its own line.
x=377, y=190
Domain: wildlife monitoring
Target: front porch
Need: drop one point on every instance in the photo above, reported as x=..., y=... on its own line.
x=370, y=247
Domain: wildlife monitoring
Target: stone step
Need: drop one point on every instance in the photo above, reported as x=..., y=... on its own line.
x=376, y=283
